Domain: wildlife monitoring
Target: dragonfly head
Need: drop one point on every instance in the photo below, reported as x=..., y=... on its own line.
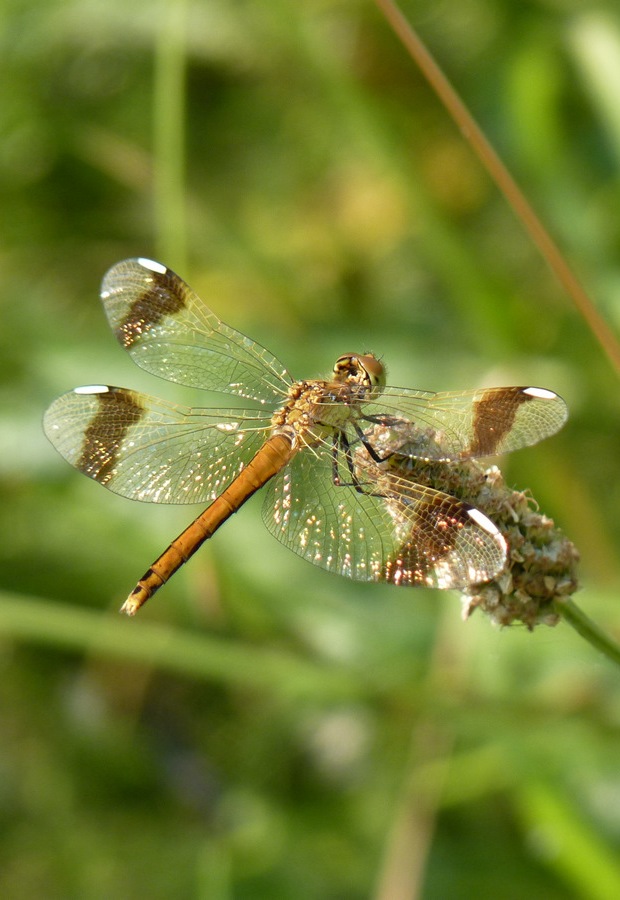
x=364, y=370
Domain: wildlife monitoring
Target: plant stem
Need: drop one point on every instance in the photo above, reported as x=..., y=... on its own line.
x=169, y=136
x=489, y=158
x=192, y=655
x=584, y=626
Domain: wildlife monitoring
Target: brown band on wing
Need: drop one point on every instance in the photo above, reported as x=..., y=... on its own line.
x=164, y=297
x=434, y=535
x=494, y=416
x=117, y=412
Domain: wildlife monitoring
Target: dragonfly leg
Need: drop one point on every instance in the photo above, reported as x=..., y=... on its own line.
x=368, y=446
x=341, y=442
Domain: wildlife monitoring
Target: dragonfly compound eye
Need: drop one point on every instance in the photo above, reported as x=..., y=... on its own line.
x=375, y=370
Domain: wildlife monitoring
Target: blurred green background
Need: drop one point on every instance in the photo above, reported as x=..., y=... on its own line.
x=264, y=729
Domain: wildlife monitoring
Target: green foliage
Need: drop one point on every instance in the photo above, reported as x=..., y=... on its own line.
x=262, y=729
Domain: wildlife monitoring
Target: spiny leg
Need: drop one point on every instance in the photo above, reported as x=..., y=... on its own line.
x=341, y=443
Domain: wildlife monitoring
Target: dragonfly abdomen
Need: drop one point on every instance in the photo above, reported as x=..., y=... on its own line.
x=275, y=453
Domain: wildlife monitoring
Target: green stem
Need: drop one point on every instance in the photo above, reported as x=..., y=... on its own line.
x=192, y=655
x=169, y=136
x=588, y=630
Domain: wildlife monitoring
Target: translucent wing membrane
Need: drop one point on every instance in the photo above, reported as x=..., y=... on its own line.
x=169, y=331
x=469, y=424
x=390, y=530
x=146, y=449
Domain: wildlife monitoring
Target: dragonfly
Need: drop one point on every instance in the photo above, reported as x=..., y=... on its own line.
x=300, y=441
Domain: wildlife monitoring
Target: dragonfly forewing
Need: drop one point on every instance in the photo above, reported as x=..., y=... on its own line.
x=169, y=331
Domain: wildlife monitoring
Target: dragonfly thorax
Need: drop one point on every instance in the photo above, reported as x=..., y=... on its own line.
x=317, y=409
